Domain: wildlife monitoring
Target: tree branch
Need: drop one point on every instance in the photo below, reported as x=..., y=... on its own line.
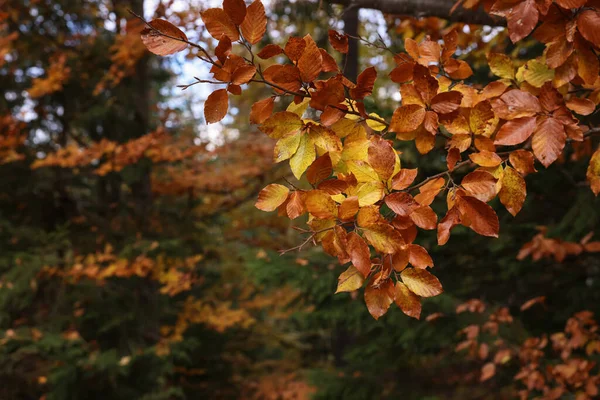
x=426, y=8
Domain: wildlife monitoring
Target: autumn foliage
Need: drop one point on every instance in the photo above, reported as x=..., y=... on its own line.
x=365, y=206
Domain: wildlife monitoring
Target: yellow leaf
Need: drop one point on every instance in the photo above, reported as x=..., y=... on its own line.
x=369, y=193
x=501, y=65
x=421, y=282
x=537, y=73
x=286, y=147
x=349, y=280
x=299, y=108
x=272, y=197
x=375, y=125
x=304, y=156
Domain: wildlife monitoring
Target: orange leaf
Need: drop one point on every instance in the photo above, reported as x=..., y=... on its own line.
x=311, y=61
x=407, y=118
x=450, y=220
x=488, y=370
x=513, y=191
x=522, y=161
x=581, y=106
x=161, y=45
x=360, y=256
x=255, y=24
x=382, y=157
x=320, y=204
x=348, y=208
x=548, y=141
x=243, y=74
x=419, y=257
x=261, y=110
x=216, y=105
x=272, y=197
x=295, y=205
x=319, y=170
x=478, y=216
x=481, y=184
x=429, y=191
x=407, y=301
x=404, y=178
x=218, y=23
x=421, y=282
x=486, y=159
x=452, y=158
x=364, y=84
x=379, y=298
x=516, y=104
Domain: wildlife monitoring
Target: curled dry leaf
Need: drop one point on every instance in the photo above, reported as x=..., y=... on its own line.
x=163, y=38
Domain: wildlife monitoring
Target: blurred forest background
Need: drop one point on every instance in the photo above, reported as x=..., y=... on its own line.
x=133, y=264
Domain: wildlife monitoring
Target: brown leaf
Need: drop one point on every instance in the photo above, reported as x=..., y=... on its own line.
x=364, y=84
x=522, y=161
x=294, y=48
x=516, y=131
x=548, y=140
x=480, y=184
x=531, y=302
x=382, y=157
x=383, y=237
x=236, y=9
x=243, y=74
x=404, y=178
x=359, y=252
x=161, y=45
x=401, y=203
x=522, y=19
x=516, y=104
x=261, y=110
x=424, y=217
x=270, y=50
x=407, y=301
x=478, y=216
x=216, y=105
x=218, y=23
x=452, y=158
x=587, y=23
x=444, y=103
x=338, y=41
x=255, y=24
x=311, y=61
